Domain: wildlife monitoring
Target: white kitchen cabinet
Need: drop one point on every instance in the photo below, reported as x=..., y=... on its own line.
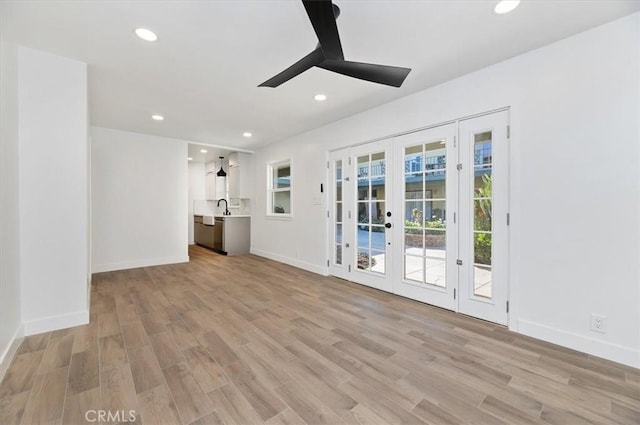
x=210, y=185
x=210, y=181
x=234, y=180
x=240, y=175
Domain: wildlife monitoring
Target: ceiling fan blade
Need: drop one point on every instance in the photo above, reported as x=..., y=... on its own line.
x=381, y=74
x=323, y=21
x=312, y=59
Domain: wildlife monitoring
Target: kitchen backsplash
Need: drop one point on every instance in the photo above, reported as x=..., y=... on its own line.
x=239, y=207
x=243, y=207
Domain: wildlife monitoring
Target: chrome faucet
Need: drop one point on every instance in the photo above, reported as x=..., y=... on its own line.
x=226, y=206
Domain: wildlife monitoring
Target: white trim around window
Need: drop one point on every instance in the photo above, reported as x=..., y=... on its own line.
x=279, y=189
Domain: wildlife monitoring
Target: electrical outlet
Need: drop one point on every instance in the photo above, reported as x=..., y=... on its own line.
x=598, y=323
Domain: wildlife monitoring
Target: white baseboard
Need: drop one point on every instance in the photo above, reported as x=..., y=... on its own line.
x=109, y=267
x=614, y=352
x=9, y=353
x=53, y=323
x=291, y=261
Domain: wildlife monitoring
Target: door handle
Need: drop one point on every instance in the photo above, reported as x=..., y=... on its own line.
x=387, y=225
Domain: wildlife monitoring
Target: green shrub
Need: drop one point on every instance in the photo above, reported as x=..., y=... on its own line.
x=435, y=224
x=483, y=206
x=412, y=228
x=482, y=248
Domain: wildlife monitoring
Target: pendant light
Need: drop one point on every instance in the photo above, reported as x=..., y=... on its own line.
x=221, y=173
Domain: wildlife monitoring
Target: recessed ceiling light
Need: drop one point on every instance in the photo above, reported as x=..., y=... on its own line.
x=157, y=117
x=203, y=150
x=506, y=6
x=247, y=134
x=189, y=159
x=320, y=97
x=146, y=35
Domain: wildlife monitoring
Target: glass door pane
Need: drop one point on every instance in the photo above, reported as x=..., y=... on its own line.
x=425, y=213
x=338, y=211
x=371, y=174
x=340, y=225
x=482, y=212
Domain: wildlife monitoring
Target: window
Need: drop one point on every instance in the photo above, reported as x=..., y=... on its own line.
x=279, y=188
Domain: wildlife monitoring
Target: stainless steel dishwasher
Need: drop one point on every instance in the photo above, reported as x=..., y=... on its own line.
x=218, y=235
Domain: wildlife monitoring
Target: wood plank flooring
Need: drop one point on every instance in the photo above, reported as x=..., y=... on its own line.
x=244, y=340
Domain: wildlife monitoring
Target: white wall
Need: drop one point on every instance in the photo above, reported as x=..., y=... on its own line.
x=10, y=308
x=139, y=200
x=196, y=191
x=53, y=172
x=574, y=192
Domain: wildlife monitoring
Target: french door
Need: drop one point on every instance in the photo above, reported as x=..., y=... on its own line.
x=483, y=205
x=427, y=196
x=361, y=236
x=424, y=215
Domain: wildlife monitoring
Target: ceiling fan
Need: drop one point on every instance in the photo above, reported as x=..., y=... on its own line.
x=328, y=53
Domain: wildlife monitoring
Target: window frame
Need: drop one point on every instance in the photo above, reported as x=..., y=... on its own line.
x=271, y=191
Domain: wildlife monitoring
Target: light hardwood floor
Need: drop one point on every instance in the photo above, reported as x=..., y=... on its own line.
x=245, y=340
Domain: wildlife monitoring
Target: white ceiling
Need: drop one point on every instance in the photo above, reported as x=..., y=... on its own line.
x=203, y=73
x=212, y=153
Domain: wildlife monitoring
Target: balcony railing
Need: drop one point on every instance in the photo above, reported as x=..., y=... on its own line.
x=378, y=169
